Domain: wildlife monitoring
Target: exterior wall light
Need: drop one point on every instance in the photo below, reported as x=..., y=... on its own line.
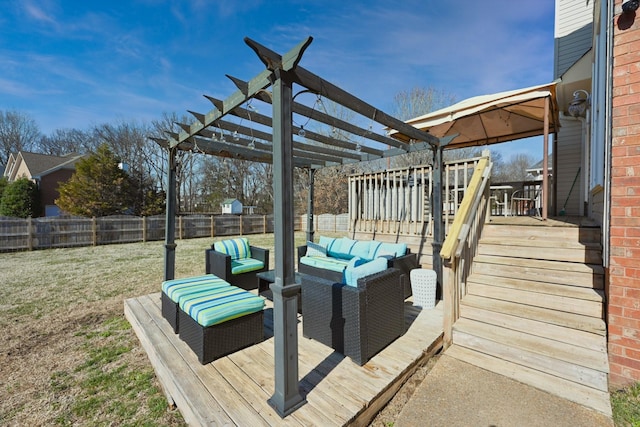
x=630, y=6
x=579, y=104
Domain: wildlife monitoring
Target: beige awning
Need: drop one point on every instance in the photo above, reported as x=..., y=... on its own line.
x=491, y=119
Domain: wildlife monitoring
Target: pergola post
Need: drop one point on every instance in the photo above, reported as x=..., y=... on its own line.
x=436, y=208
x=286, y=397
x=310, y=232
x=170, y=218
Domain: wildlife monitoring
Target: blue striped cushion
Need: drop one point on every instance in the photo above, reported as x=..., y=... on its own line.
x=221, y=305
x=326, y=263
x=245, y=265
x=236, y=248
x=177, y=289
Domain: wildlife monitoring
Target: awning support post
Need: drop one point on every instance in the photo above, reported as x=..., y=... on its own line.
x=436, y=208
x=545, y=162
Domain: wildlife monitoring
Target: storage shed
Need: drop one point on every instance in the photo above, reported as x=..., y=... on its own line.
x=232, y=206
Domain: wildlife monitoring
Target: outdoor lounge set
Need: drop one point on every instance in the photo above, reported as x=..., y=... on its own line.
x=353, y=294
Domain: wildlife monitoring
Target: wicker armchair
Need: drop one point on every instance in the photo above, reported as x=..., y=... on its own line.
x=355, y=321
x=220, y=264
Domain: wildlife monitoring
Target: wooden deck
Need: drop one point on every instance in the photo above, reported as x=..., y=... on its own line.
x=234, y=390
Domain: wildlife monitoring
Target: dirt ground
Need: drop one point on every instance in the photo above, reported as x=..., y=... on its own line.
x=389, y=413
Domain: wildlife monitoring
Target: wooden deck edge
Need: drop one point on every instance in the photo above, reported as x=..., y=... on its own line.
x=176, y=376
x=368, y=413
x=162, y=371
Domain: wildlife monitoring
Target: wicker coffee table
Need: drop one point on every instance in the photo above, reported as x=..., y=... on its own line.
x=266, y=278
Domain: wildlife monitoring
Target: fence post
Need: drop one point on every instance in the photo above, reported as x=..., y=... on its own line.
x=94, y=231
x=241, y=230
x=144, y=228
x=30, y=233
x=180, y=227
x=264, y=224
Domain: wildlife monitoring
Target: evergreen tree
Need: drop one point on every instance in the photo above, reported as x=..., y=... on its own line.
x=20, y=199
x=99, y=187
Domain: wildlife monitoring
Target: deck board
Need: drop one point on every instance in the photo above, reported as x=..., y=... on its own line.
x=234, y=390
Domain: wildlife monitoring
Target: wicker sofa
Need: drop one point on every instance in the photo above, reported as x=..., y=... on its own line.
x=330, y=257
x=357, y=321
x=237, y=262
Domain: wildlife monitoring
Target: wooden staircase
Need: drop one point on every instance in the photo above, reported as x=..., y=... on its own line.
x=534, y=311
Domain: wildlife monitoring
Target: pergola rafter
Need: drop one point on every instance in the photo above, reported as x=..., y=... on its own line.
x=280, y=149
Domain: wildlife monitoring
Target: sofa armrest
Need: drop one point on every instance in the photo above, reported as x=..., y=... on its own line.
x=302, y=251
x=218, y=264
x=261, y=254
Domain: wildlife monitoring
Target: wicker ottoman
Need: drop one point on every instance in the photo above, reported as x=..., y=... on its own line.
x=221, y=322
x=174, y=290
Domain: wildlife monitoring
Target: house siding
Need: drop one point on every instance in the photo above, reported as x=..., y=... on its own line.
x=624, y=267
x=573, y=33
x=569, y=158
x=49, y=186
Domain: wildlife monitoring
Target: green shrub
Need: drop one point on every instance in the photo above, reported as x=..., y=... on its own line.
x=20, y=199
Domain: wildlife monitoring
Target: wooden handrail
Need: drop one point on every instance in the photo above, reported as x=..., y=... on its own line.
x=461, y=244
x=470, y=200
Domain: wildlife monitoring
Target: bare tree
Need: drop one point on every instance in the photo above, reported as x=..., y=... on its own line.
x=18, y=132
x=66, y=141
x=420, y=101
x=157, y=157
x=515, y=169
x=415, y=103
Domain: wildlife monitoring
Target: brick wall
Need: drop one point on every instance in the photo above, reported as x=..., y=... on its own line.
x=624, y=265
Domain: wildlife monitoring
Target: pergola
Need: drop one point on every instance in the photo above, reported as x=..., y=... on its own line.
x=285, y=150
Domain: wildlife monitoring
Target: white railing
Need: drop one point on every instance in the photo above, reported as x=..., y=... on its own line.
x=398, y=201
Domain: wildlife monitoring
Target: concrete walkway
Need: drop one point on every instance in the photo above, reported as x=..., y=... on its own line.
x=455, y=393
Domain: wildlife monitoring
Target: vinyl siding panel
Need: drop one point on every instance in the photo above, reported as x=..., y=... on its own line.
x=573, y=33
x=569, y=160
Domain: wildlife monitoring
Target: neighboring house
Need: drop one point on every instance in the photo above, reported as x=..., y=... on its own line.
x=48, y=172
x=596, y=58
x=231, y=206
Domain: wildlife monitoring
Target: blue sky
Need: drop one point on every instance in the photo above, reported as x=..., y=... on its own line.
x=74, y=64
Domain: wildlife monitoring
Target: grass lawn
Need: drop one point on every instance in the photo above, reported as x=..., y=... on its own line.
x=68, y=356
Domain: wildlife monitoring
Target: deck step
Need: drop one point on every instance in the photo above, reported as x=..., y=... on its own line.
x=541, y=250
x=580, y=338
x=583, y=395
x=530, y=296
x=539, y=284
x=566, y=273
x=559, y=233
x=554, y=317
x=574, y=267
x=524, y=346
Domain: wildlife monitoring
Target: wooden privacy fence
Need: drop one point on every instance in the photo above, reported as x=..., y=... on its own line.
x=65, y=231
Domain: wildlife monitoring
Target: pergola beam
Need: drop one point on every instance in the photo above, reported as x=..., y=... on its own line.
x=322, y=87
x=265, y=96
